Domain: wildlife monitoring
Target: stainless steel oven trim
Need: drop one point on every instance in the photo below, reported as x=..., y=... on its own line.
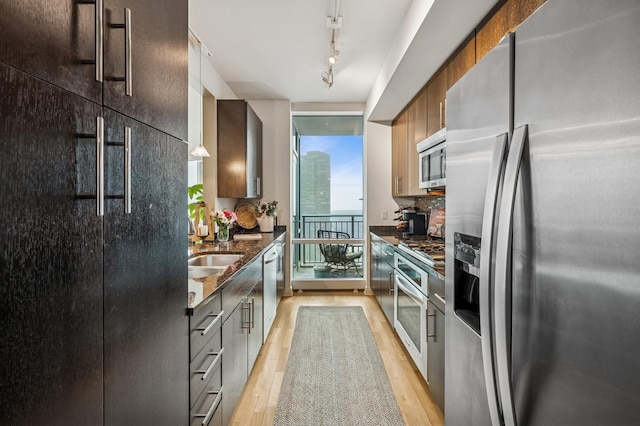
x=411, y=290
x=419, y=297
x=411, y=264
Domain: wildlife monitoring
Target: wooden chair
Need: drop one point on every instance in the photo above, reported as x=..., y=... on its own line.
x=339, y=254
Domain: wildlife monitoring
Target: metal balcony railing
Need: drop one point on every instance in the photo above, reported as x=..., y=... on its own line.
x=309, y=254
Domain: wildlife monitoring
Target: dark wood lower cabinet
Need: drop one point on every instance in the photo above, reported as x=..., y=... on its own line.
x=51, y=256
x=146, y=338
x=92, y=308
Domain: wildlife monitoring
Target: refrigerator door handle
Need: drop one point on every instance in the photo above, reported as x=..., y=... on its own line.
x=486, y=255
x=502, y=296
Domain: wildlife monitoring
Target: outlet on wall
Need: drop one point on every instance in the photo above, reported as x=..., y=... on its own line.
x=385, y=215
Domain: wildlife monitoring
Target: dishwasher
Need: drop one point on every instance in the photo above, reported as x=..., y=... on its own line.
x=269, y=292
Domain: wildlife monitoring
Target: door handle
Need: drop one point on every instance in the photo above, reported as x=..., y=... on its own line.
x=127, y=169
x=246, y=319
x=430, y=316
x=128, y=68
x=486, y=253
x=99, y=42
x=502, y=295
x=100, y=166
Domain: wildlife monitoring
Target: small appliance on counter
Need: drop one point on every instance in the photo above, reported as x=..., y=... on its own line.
x=416, y=223
x=411, y=221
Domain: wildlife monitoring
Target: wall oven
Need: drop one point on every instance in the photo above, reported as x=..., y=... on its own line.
x=432, y=161
x=410, y=318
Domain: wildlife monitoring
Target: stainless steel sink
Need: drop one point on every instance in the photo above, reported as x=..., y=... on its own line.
x=205, y=271
x=215, y=260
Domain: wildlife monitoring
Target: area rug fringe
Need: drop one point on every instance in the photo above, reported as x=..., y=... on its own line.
x=334, y=374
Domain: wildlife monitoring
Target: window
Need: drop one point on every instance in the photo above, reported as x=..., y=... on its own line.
x=328, y=158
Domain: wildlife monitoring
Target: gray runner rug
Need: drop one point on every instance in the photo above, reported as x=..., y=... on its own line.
x=334, y=374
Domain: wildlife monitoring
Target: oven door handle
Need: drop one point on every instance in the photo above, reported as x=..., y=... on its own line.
x=410, y=289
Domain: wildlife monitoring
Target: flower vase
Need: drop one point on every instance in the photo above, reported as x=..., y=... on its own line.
x=223, y=233
x=266, y=223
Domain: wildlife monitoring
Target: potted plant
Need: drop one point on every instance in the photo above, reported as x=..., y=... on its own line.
x=265, y=212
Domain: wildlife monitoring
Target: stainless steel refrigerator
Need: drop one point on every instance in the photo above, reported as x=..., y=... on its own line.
x=543, y=240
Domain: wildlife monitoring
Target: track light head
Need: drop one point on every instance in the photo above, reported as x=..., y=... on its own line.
x=327, y=77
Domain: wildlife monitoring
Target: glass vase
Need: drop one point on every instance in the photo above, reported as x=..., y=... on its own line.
x=223, y=233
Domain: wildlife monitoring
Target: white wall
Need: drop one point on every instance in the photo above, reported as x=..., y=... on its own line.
x=276, y=152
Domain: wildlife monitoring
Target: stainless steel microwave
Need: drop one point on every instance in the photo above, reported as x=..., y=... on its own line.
x=433, y=160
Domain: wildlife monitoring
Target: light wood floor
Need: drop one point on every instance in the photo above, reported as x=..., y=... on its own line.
x=257, y=405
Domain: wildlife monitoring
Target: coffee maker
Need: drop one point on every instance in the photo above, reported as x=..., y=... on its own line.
x=415, y=223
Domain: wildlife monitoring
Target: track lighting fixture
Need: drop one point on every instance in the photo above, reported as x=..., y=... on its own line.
x=334, y=22
x=327, y=77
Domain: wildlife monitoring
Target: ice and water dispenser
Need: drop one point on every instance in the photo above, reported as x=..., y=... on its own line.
x=466, y=275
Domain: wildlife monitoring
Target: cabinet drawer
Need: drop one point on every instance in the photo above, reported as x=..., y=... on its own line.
x=205, y=323
x=208, y=408
x=205, y=368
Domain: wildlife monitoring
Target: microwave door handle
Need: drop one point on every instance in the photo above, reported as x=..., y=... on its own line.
x=486, y=252
x=502, y=294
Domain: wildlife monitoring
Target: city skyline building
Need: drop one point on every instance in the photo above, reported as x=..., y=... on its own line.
x=315, y=183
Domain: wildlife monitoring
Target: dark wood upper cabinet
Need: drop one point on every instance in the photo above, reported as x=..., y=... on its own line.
x=239, y=150
x=157, y=60
x=57, y=41
x=53, y=40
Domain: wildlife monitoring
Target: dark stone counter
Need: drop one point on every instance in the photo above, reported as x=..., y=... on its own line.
x=250, y=249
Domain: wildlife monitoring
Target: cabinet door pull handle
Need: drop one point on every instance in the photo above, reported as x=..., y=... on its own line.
x=205, y=330
x=210, y=368
x=246, y=324
x=100, y=166
x=128, y=70
x=213, y=407
x=252, y=314
x=99, y=16
x=127, y=169
x=127, y=53
x=430, y=316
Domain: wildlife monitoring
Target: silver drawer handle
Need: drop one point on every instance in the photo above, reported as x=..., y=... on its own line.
x=210, y=368
x=213, y=407
x=205, y=330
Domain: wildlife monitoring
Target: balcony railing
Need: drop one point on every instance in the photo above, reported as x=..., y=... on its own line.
x=309, y=254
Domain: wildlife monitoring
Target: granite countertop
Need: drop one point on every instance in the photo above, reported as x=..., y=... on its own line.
x=250, y=249
x=394, y=237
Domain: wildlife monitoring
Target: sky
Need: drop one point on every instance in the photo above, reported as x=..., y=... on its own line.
x=346, y=167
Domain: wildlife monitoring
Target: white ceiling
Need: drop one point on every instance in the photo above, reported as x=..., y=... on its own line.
x=277, y=49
